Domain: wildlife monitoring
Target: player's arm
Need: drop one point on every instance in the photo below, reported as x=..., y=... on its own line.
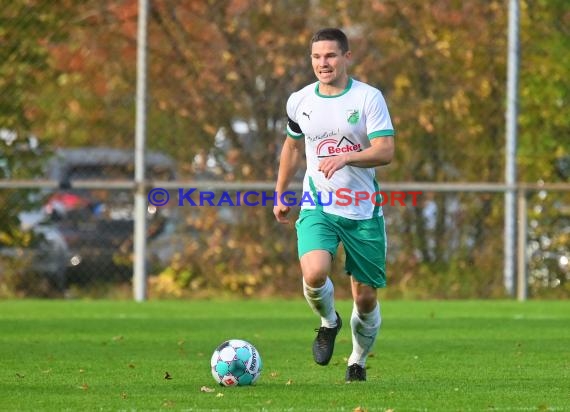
x=380, y=153
x=291, y=155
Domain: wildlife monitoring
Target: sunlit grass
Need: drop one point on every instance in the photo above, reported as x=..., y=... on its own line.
x=460, y=356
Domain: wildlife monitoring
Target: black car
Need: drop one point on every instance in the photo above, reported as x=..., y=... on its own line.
x=97, y=224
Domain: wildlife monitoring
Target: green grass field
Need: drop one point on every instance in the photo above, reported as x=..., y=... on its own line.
x=431, y=356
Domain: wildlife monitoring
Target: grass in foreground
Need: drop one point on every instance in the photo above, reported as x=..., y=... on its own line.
x=430, y=356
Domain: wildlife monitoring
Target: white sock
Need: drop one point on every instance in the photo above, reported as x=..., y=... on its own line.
x=321, y=300
x=365, y=328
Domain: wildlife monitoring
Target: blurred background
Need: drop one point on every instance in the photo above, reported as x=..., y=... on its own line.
x=219, y=74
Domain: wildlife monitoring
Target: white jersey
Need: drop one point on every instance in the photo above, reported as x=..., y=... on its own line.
x=333, y=125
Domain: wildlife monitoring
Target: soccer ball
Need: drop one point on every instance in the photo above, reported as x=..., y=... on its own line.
x=236, y=362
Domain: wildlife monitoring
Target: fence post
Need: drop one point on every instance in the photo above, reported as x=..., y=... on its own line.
x=139, y=259
x=522, y=264
x=511, y=144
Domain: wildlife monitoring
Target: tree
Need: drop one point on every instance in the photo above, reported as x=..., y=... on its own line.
x=544, y=125
x=442, y=66
x=224, y=61
x=70, y=72
x=26, y=27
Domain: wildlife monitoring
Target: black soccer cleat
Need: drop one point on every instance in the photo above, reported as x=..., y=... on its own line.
x=323, y=346
x=355, y=373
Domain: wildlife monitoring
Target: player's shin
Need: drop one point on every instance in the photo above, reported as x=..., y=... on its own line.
x=365, y=328
x=321, y=300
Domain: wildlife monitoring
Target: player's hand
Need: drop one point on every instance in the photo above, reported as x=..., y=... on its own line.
x=329, y=165
x=281, y=212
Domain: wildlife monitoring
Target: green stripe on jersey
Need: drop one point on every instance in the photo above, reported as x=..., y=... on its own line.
x=381, y=133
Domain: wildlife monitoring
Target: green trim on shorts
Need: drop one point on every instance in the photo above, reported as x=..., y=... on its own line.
x=364, y=242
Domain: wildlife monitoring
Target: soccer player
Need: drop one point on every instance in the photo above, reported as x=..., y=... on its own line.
x=345, y=129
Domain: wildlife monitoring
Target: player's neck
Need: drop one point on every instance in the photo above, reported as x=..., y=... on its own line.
x=332, y=89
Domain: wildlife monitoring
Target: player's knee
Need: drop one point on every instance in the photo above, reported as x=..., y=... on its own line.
x=365, y=300
x=316, y=266
x=315, y=277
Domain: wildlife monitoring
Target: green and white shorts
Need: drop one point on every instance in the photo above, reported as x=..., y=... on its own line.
x=364, y=242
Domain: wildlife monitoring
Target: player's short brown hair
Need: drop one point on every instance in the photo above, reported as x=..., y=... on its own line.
x=334, y=34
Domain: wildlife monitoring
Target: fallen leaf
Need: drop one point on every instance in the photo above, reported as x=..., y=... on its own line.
x=207, y=389
x=19, y=375
x=219, y=395
x=167, y=375
x=289, y=382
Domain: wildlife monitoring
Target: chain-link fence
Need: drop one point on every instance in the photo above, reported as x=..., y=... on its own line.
x=219, y=74
x=211, y=241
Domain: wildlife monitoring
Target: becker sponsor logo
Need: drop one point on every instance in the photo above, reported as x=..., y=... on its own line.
x=330, y=147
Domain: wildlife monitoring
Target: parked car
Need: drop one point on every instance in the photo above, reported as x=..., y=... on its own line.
x=45, y=256
x=92, y=229
x=98, y=225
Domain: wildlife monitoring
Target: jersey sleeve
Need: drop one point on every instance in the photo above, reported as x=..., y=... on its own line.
x=293, y=129
x=378, y=121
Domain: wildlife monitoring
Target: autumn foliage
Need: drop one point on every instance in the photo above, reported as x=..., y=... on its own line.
x=219, y=74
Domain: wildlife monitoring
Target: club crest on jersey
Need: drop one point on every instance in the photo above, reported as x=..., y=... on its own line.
x=330, y=147
x=352, y=116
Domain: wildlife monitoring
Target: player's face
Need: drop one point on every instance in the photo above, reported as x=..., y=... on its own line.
x=330, y=63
